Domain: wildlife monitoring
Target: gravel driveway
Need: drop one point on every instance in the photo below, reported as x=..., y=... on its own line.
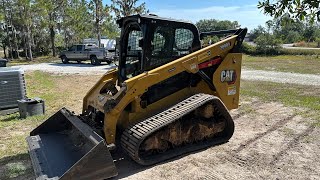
x=281, y=77
x=71, y=68
x=258, y=75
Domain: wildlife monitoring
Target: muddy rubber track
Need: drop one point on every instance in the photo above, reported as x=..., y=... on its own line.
x=135, y=134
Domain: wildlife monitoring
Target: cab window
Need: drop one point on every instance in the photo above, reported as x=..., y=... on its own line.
x=169, y=43
x=72, y=48
x=133, y=53
x=183, y=41
x=79, y=47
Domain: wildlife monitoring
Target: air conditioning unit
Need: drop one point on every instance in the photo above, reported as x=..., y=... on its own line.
x=12, y=89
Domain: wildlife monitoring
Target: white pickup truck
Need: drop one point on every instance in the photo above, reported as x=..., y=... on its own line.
x=83, y=52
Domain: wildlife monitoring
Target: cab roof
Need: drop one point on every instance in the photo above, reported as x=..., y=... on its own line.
x=148, y=17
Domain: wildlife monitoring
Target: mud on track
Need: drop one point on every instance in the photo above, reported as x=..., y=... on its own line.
x=270, y=142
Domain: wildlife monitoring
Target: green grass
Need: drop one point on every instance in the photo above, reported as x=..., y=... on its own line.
x=301, y=96
x=43, y=85
x=15, y=169
x=307, y=52
x=284, y=63
x=42, y=59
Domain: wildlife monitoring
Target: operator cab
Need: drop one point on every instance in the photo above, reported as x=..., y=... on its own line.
x=148, y=41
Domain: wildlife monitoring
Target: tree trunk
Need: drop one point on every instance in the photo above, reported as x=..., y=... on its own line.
x=8, y=43
x=29, y=43
x=65, y=39
x=24, y=33
x=4, y=51
x=52, y=35
x=98, y=21
x=15, y=42
x=25, y=49
x=25, y=41
x=14, y=36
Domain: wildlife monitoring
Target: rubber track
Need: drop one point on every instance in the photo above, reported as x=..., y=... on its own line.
x=135, y=134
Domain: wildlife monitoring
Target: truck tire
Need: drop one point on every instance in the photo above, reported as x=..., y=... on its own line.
x=109, y=61
x=64, y=60
x=95, y=61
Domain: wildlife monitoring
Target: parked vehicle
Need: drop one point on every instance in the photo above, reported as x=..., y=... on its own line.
x=108, y=44
x=83, y=52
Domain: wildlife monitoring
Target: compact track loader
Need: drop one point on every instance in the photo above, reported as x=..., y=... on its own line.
x=169, y=96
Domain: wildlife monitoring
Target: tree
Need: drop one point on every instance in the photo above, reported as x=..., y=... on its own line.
x=3, y=41
x=50, y=12
x=109, y=28
x=295, y=9
x=293, y=37
x=206, y=25
x=123, y=8
x=311, y=33
x=26, y=21
x=267, y=44
x=256, y=32
x=288, y=31
x=77, y=22
x=98, y=18
x=6, y=7
x=42, y=26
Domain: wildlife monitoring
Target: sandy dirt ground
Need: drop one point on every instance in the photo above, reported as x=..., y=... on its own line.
x=270, y=142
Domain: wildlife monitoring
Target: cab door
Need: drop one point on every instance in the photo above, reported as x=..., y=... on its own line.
x=81, y=53
x=131, y=52
x=71, y=53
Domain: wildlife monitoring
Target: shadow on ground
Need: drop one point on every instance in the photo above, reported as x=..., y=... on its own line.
x=10, y=117
x=16, y=167
x=102, y=66
x=125, y=165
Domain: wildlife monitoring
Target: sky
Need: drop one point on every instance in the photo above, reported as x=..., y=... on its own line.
x=243, y=11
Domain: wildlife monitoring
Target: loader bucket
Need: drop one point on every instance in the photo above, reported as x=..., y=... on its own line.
x=64, y=147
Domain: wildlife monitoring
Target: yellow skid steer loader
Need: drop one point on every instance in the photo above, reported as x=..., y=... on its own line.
x=169, y=96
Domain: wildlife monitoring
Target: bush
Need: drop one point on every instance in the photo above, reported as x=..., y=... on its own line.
x=213, y=39
x=248, y=49
x=270, y=50
x=267, y=44
x=293, y=36
x=300, y=44
x=318, y=42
